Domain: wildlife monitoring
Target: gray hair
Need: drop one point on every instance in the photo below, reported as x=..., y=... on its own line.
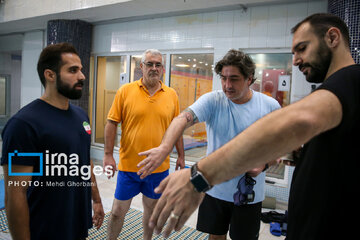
x=152, y=52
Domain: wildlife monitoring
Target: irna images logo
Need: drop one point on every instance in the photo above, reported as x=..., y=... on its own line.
x=57, y=164
x=17, y=154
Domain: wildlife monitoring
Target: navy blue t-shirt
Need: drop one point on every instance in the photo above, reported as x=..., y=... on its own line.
x=60, y=199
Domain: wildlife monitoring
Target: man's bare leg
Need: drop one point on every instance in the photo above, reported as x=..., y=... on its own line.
x=148, y=204
x=116, y=219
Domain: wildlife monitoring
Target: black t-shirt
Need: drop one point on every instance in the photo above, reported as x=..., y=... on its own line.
x=325, y=187
x=59, y=197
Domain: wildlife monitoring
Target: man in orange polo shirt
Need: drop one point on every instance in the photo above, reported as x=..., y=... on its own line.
x=145, y=109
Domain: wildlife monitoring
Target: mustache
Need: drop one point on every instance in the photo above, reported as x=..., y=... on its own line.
x=79, y=84
x=304, y=65
x=229, y=90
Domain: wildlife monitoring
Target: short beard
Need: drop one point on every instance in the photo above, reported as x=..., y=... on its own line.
x=66, y=90
x=319, y=68
x=152, y=81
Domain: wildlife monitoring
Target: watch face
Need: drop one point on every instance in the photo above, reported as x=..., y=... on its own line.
x=200, y=183
x=198, y=180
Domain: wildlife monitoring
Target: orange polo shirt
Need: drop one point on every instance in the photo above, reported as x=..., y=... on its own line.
x=144, y=120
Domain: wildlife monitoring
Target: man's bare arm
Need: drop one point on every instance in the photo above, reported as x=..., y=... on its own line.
x=180, y=162
x=110, y=133
x=185, y=120
x=274, y=135
x=98, y=216
x=16, y=205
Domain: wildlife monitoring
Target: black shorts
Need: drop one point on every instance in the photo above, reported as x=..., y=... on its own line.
x=215, y=216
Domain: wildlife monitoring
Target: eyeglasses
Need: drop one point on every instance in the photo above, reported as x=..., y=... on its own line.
x=151, y=64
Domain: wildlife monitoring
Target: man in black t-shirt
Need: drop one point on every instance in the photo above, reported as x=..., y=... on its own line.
x=49, y=182
x=323, y=196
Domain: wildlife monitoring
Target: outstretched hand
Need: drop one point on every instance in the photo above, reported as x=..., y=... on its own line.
x=178, y=200
x=154, y=158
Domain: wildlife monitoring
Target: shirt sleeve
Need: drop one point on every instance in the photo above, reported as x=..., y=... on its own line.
x=275, y=105
x=203, y=107
x=19, y=138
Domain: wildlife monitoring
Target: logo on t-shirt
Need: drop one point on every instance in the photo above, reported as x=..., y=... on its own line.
x=87, y=128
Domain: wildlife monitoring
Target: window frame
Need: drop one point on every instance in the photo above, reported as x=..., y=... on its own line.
x=7, y=78
x=94, y=103
x=128, y=55
x=271, y=180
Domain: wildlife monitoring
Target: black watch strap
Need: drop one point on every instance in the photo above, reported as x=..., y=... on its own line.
x=198, y=180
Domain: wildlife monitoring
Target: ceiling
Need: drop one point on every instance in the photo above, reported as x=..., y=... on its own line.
x=130, y=10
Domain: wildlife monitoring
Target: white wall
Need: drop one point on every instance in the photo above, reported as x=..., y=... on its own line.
x=260, y=27
x=30, y=82
x=11, y=45
x=19, y=9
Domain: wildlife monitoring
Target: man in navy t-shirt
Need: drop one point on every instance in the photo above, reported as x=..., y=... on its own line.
x=49, y=182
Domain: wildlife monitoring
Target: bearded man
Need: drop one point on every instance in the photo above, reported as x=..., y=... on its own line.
x=51, y=126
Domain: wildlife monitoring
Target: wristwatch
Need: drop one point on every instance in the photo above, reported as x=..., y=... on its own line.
x=198, y=180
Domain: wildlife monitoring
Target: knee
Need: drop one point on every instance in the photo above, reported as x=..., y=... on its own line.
x=119, y=210
x=149, y=203
x=115, y=214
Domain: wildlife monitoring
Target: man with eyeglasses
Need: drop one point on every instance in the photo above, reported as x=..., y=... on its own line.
x=226, y=113
x=145, y=109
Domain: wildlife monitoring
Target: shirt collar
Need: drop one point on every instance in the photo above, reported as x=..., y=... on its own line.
x=140, y=84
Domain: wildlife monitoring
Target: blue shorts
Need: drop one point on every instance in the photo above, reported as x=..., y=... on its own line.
x=129, y=185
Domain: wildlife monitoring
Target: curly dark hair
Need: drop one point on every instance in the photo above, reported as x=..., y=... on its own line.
x=240, y=60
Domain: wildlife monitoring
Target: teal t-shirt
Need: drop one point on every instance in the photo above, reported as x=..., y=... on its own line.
x=224, y=120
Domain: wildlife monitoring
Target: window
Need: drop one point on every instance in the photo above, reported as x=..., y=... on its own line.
x=273, y=75
x=3, y=91
x=4, y=100
x=91, y=89
x=273, y=78
x=110, y=71
x=191, y=76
